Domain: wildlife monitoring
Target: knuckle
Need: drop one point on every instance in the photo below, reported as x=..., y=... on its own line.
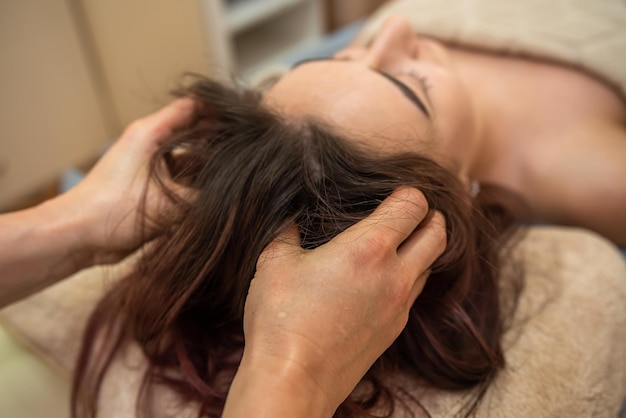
x=373, y=249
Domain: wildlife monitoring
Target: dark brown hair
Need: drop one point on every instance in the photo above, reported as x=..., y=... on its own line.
x=254, y=173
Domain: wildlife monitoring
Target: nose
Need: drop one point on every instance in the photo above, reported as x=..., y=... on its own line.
x=395, y=42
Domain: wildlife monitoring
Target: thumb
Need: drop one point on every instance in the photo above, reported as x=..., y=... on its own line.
x=288, y=242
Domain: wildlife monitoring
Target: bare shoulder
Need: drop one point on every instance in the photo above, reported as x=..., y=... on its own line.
x=580, y=180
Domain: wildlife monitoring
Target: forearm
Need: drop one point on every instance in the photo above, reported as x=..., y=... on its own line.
x=98, y=221
x=39, y=246
x=275, y=389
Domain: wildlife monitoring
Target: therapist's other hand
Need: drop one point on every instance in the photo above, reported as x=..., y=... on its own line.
x=325, y=315
x=108, y=199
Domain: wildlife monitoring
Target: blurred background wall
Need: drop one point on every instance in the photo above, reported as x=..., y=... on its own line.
x=342, y=12
x=73, y=73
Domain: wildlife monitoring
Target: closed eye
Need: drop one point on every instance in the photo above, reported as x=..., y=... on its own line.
x=422, y=80
x=408, y=92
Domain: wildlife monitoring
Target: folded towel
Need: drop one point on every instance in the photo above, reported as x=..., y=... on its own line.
x=565, y=352
x=587, y=34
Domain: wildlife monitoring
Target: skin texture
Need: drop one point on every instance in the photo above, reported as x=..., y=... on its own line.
x=354, y=97
x=198, y=273
x=93, y=223
x=288, y=338
x=551, y=134
x=285, y=372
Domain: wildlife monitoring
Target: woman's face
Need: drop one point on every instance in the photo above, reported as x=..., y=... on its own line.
x=401, y=93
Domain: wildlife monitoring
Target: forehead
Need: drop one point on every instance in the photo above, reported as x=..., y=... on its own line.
x=352, y=98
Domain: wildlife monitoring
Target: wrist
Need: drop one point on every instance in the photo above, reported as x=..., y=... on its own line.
x=41, y=245
x=267, y=386
x=64, y=224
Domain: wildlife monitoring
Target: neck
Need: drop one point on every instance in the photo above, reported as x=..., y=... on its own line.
x=494, y=115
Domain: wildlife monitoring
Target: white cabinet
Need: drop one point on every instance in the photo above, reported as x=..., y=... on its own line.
x=248, y=36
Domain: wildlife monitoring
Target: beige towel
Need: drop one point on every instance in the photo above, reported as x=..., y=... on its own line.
x=588, y=34
x=566, y=351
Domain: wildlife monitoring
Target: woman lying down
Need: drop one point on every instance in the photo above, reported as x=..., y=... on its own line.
x=509, y=322
x=490, y=141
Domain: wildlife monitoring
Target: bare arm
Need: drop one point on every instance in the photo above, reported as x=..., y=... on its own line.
x=94, y=223
x=39, y=246
x=315, y=321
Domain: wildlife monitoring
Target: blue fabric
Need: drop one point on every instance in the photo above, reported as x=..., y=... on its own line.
x=70, y=178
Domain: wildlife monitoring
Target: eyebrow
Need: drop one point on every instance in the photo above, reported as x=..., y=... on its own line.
x=406, y=90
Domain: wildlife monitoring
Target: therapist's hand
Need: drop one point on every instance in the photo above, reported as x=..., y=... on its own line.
x=316, y=320
x=96, y=222
x=106, y=202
